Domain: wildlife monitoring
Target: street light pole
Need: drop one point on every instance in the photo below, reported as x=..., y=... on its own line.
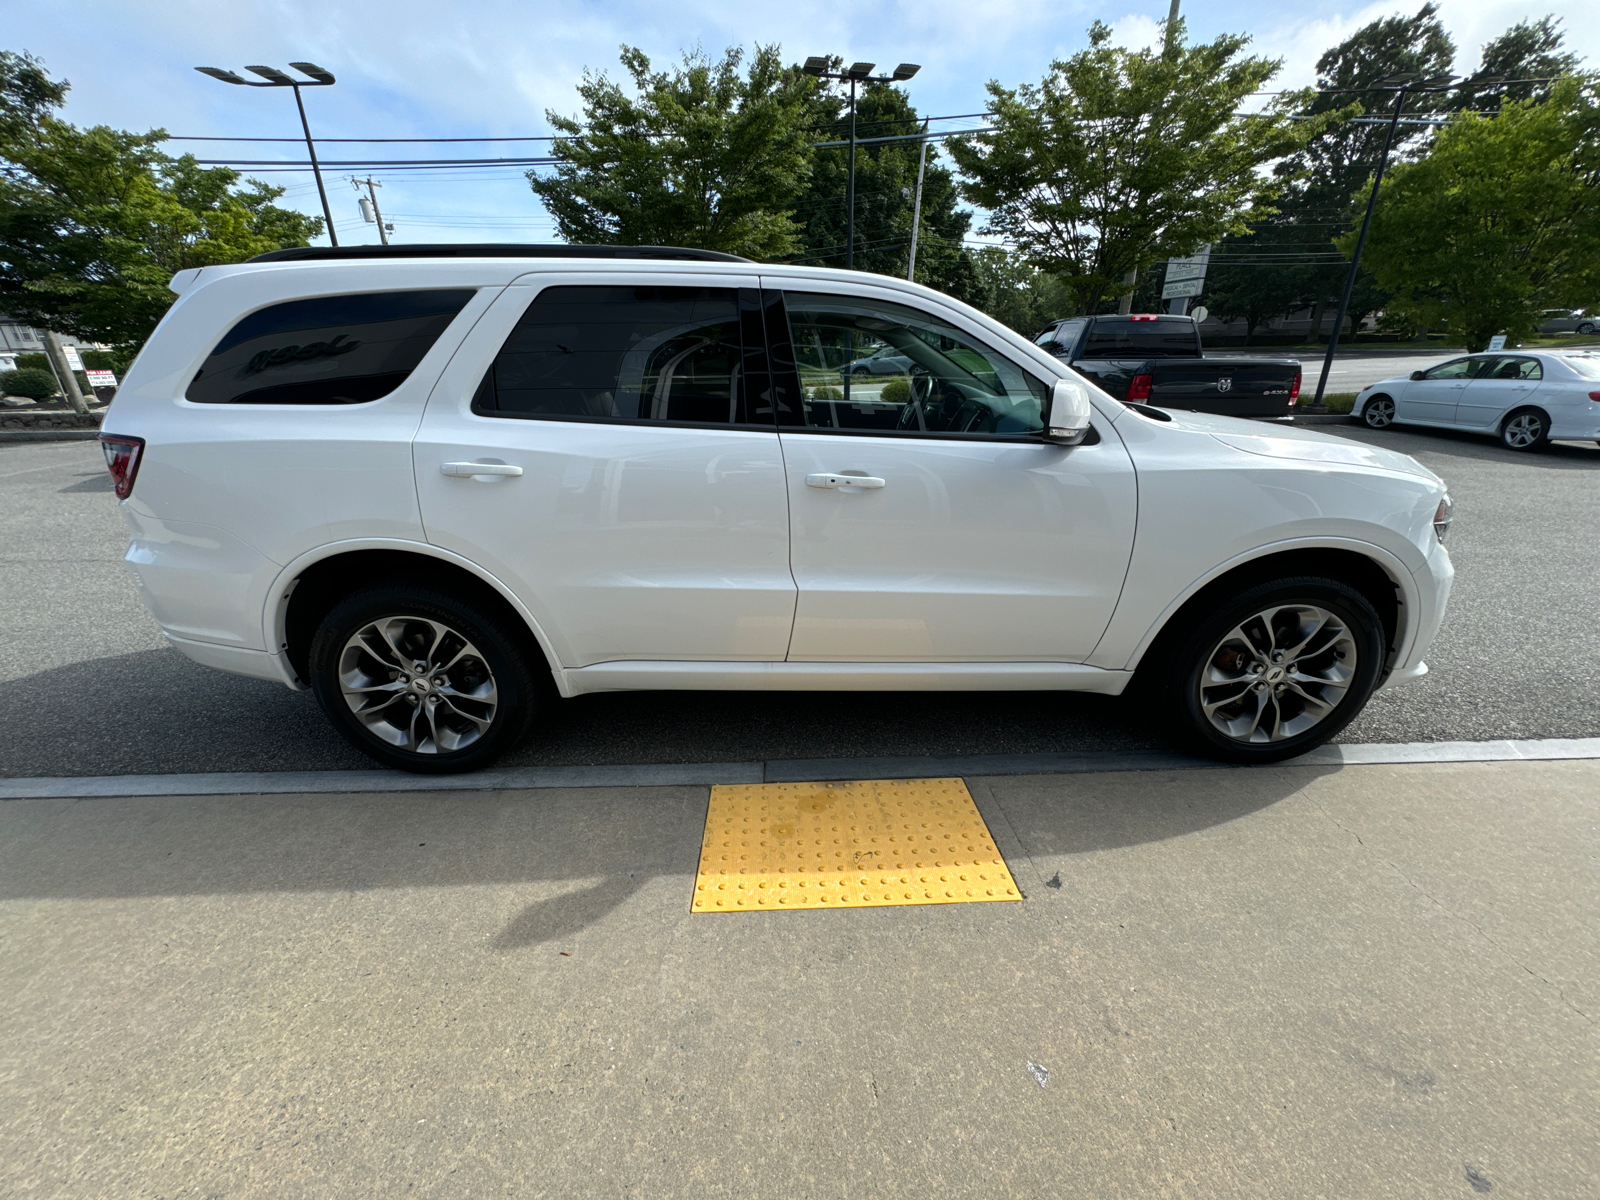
x=1404, y=86
x=860, y=72
x=850, y=190
x=916, y=207
x=273, y=77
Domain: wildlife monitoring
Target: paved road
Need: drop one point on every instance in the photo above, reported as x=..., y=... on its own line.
x=1288, y=982
x=1350, y=372
x=90, y=689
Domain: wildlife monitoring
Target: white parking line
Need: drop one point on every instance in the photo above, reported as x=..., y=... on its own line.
x=241, y=783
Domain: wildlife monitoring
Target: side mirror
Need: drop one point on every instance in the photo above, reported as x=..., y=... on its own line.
x=1416, y=374
x=1067, y=421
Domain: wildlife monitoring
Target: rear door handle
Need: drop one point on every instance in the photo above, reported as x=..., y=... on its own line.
x=826, y=479
x=469, y=469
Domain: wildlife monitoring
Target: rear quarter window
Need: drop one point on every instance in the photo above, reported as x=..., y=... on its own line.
x=326, y=350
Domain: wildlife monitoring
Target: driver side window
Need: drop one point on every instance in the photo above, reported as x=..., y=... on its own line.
x=872, y=365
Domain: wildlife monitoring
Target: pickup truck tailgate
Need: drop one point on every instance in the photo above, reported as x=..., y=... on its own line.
x=1235, y=388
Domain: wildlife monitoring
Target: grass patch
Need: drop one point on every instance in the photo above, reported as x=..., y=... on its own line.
x=1337, y=402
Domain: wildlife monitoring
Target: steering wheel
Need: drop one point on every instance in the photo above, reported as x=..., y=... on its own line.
x=922, y=392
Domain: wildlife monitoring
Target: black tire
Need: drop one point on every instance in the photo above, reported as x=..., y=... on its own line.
x=1355, y=630
x=472, y=731
x=1378, y=412
x=1586, y=327
x=1525, y=429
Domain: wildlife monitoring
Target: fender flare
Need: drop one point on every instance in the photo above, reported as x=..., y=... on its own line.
x=275, y=610
x=1390, y=563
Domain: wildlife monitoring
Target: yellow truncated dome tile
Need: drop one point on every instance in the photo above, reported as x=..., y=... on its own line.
x=847, y=845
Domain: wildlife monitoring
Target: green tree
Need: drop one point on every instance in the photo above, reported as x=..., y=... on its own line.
x=1122, y=158
x=702, y=156
x=1501, y=220
x=1322, y=176
x=1521, y=64
x=886, y=183
x=1251, y=279
x=95, y=222
x=1018, y=294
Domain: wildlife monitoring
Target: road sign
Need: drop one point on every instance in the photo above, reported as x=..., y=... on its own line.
x=1185, y=287
x=1199, y=312
x=1193, y=267
x=1497, y=342
x=73, y=361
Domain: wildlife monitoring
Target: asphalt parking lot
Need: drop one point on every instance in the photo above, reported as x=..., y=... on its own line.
x=90, y=689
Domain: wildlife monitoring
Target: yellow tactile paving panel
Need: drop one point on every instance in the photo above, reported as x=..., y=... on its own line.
x=847, y=845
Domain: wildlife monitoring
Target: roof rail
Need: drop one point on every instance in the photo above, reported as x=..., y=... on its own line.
x=493, y=250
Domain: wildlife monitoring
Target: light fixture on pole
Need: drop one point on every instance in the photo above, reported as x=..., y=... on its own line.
x=1402, y=84
x=318, y=77
x=860, y=72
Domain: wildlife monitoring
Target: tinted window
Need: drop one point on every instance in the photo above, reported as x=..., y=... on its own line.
x=873, y=365
x=327, y=350
x=1139, y=339
x=1456, y=368
x=1514, y=368
x=630, y=354
x=1061, y=338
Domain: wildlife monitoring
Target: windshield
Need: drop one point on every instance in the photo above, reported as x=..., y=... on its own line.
x=1142, y=339
x=1587, y=366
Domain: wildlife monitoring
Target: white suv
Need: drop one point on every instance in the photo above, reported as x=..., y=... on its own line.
x=440, y=485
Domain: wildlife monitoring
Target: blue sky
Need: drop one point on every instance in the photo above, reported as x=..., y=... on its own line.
x=480, y=68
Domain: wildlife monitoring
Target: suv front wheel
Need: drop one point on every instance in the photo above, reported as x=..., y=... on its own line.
x=1276, y=671
x=421, y=680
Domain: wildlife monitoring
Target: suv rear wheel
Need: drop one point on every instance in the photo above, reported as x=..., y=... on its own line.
x=421, y=680
x=1276, y=671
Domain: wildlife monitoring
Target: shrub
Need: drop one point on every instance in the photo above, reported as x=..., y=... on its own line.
x=826, y=392
x=897, y=391
x=32, y=384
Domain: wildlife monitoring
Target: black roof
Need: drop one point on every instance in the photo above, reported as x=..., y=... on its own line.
x=493, y=250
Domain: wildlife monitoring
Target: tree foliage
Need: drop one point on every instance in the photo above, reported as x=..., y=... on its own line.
x=1017, y=294
x=1500, y=220
x=94, y=222
x=886, y=182
x=1121, y=158
x=1521, y=64
x=703, y=155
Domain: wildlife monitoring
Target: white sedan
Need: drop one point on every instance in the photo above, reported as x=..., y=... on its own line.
x=1526, y=398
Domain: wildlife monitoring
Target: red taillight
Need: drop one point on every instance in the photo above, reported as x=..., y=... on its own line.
x=1595, y=396
x=1294, y=389
x=1139, y=388
x=122, y=460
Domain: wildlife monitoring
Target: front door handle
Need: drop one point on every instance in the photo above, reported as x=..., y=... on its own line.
x=469, y=469
x=827, y=479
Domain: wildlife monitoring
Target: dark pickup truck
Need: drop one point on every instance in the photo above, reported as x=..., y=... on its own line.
x=1158, y=360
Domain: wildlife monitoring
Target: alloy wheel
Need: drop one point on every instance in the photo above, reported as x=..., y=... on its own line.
x=1523, y=430
x=1278, y=673
x=417, y=684
x=1379, y=412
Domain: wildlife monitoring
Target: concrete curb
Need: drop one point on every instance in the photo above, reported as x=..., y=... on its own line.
x=48, y=435
x=247, y=783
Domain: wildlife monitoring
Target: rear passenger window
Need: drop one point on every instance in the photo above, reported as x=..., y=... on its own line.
x=327, y=350
x=684, y=355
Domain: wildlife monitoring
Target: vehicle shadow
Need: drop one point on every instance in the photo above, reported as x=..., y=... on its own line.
x=155, y=712
x=579, y=853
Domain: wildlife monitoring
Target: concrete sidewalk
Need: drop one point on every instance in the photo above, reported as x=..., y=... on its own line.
x=1304, y=981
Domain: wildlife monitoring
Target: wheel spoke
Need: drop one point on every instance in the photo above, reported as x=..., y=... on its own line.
x=1299, y=655
x=401, y=705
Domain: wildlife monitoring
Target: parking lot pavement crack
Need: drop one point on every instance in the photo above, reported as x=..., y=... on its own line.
x=1477, y=928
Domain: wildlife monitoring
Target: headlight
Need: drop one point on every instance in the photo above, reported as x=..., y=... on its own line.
x=1442, y=516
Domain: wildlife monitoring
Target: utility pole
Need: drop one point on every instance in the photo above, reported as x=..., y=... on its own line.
x=860, y=72
x=916, y=208
x=64, y=375
x=371, y=198
x=1404, y=84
